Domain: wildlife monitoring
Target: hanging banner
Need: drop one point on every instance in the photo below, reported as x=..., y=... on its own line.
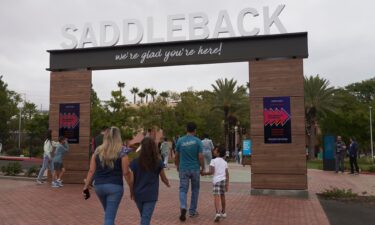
x=69, y=122
x=246, y=147
x=277, y=120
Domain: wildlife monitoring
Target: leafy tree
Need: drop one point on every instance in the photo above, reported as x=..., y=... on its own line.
x=134, y=91
x=8, y=102
x=319, y=100
x=364, y=91
x=36, y=128
x=99, y=116
x=231, y=100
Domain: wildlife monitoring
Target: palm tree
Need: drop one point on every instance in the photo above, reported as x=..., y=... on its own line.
x=164, y=95
x=134, y=91
x=147, y=92
x=141, y=95
x=231, y=100
x=153, y=92
x=121, y=85
x=319, y=99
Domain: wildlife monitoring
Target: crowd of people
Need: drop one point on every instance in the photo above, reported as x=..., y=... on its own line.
x=110, y=165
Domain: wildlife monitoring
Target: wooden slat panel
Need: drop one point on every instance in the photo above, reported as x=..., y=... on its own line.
x=278, y=166
x=279, y=181
x=76, y=165
x=276, y=78
x=73, y=87
x=75, y=177
x=296, y=147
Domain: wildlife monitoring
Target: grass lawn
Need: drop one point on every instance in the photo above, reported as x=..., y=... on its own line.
x=363, y=163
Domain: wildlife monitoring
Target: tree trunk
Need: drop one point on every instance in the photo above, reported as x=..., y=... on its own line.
x=134, y=98
x=312, y=141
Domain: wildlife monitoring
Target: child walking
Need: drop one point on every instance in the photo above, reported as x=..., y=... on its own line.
x=220, y=180
x=146, y=171
x=59, y=170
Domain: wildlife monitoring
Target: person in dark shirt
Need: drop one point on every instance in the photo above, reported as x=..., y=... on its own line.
x=108, y=165
x=340, y=155
x=353, y=151
x=99, y=138
x=146, y=170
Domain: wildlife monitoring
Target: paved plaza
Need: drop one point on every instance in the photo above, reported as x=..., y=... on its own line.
x=25, y=203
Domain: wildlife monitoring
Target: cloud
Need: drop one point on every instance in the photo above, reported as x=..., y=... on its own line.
x=340, y=40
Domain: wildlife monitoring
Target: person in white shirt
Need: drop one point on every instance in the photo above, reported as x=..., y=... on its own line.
x=47, y=158
x=220, y=180
x=208, y=146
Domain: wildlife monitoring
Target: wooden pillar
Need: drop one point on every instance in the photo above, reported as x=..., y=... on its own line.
x=278, y=166
x=72, y=87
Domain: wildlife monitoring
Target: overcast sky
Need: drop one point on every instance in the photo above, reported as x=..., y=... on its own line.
x=341, y=40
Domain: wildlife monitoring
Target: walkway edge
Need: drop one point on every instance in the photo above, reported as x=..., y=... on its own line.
x=304, y=194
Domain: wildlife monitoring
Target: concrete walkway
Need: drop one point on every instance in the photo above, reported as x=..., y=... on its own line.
x=25, y=203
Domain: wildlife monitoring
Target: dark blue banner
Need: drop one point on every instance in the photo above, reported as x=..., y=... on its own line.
x=69, y=122
x=277, y=120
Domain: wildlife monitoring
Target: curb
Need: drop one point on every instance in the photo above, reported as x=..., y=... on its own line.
x=17, y=178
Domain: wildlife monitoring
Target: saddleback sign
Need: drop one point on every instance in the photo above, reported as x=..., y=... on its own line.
x=180, y=27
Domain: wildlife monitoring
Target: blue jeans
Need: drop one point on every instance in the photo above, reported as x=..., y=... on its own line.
x=110, y=196
x=146, y=209
x=185, y=177
x=47, y=162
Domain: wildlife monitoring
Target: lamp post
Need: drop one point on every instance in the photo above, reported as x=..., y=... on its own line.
x=371, y=143
x=19, y=123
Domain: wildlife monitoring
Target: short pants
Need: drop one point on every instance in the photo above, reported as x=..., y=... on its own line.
x=58, y=166
x=219, y=188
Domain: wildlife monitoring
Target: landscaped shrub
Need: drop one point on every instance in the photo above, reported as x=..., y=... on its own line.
x=12, y=169
x=14, y=152
x=32, y=171
x=371, y=169
x=336, y=193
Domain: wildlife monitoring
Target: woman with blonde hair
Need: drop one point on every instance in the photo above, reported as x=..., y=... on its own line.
x=108, y=165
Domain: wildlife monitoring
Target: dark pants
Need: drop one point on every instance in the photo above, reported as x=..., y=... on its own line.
x=339, y=161
x=353, y=163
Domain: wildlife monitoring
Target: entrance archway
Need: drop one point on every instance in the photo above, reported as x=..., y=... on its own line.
x=275, y=72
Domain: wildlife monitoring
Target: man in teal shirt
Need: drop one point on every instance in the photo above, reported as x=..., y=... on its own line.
x=189, y=163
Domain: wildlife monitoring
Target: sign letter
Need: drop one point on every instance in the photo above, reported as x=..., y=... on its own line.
x=202, y=25
x=171, y=27
x=88, y=36
x=274, y=19
x=223, y=16
x=139, y=28
x=71, y=37
x=150, y=31
x=241, y=18
x=103, y=33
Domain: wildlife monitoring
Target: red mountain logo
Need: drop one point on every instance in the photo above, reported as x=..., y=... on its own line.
x=275, y=117
x=68, y=120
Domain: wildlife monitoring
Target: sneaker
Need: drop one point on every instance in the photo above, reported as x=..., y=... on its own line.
x=59, y=182
x=183, y=215
x=39, y=182
x=193, y=215
x=55, y=185
x=223, y=215
x=217, y=217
